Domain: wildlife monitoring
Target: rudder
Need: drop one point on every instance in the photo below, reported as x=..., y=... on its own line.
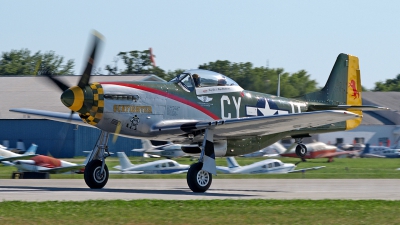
x=342, y=88
x=31, y=150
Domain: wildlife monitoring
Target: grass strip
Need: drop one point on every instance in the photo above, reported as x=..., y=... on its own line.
x=201, y=212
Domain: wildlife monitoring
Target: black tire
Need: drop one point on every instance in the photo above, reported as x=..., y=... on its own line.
x=198, y=180
x=301, y=150
x=92, y=175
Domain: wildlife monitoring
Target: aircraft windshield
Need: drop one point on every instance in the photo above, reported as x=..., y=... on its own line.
x=202, y=78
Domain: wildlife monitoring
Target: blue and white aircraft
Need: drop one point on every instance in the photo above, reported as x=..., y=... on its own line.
x=379, y=152
x=265, y=166
x=164, y=166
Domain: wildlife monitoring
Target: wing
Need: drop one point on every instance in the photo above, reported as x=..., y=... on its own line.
x=124, y=172
x=330, y=155
x=223, y=169
x=17, y=158
x=369, y=155
x=147, y=150
x=305, y=169
x=248, y=126
x=57, y=116
x=260, y=125
x=180, y=172
x=62, y=169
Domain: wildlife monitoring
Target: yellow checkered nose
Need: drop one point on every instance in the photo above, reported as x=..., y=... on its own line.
x=73, y=98
x=88, y=101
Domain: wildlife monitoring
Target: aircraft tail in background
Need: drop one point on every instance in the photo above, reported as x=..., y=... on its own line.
x=31, y=150
x=232, y=163
x=124, y=161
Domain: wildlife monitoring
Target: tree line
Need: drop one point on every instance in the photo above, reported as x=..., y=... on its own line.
x=260, y=79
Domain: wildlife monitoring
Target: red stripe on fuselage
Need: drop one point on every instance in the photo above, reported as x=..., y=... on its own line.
x=167, y=95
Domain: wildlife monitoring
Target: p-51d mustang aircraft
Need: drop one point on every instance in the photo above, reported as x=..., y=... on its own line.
x=207, y=112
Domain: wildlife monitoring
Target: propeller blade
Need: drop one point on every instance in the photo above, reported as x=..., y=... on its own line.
x=59, y=84
x=84, y=81
x=47, y=72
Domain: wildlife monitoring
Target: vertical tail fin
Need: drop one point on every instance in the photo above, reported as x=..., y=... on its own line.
x=146, y=144
x=124, y=161
x=232, y=163
x=342, y=88
x=365, y=150
x=31, y=150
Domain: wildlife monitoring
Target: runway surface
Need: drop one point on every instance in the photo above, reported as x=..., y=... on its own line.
x=176, y=189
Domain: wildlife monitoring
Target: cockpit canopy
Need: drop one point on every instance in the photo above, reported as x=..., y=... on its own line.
x=192, y=79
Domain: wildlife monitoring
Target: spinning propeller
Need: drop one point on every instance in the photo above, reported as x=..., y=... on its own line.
x=84, y=97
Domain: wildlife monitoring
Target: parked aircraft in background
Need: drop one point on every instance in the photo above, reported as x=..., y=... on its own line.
x=163, y=166
x=273, y=150
x=19, y=149
x=319, y=150
x=7, y=157
x=163, y=148
x=206, y=110
x=265, y=166
x=379, y=152
x=42, y=163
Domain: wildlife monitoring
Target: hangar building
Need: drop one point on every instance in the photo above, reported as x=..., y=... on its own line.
x=381, y=127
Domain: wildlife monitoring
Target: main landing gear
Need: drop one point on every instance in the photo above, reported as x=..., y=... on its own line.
x=301, y=149
x=96, y=171
x=198, y=179
x=199, y=176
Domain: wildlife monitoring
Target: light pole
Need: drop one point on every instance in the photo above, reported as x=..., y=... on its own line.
x=279, y=85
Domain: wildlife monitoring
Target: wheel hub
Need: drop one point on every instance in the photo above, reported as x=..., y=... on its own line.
x=98, y=175
x=203, y=178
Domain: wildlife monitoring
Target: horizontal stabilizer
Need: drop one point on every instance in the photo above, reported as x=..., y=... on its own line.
x=346, y=107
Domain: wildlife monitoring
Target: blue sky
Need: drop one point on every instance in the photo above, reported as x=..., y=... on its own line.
x=293, y=35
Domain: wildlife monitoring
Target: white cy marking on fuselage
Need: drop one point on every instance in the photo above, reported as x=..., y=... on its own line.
x=237, y=106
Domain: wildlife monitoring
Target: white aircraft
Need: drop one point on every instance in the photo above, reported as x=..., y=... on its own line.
x=164, y=166
x=42, y=163
x=265, y=166
x=6, y=156
x=167, y=149
x=273, y=150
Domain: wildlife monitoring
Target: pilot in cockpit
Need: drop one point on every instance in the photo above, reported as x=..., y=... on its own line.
x=196, y=79
x=221, y=81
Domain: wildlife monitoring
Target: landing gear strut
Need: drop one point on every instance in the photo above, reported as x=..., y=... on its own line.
x=96, y=171
x=199, y=176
